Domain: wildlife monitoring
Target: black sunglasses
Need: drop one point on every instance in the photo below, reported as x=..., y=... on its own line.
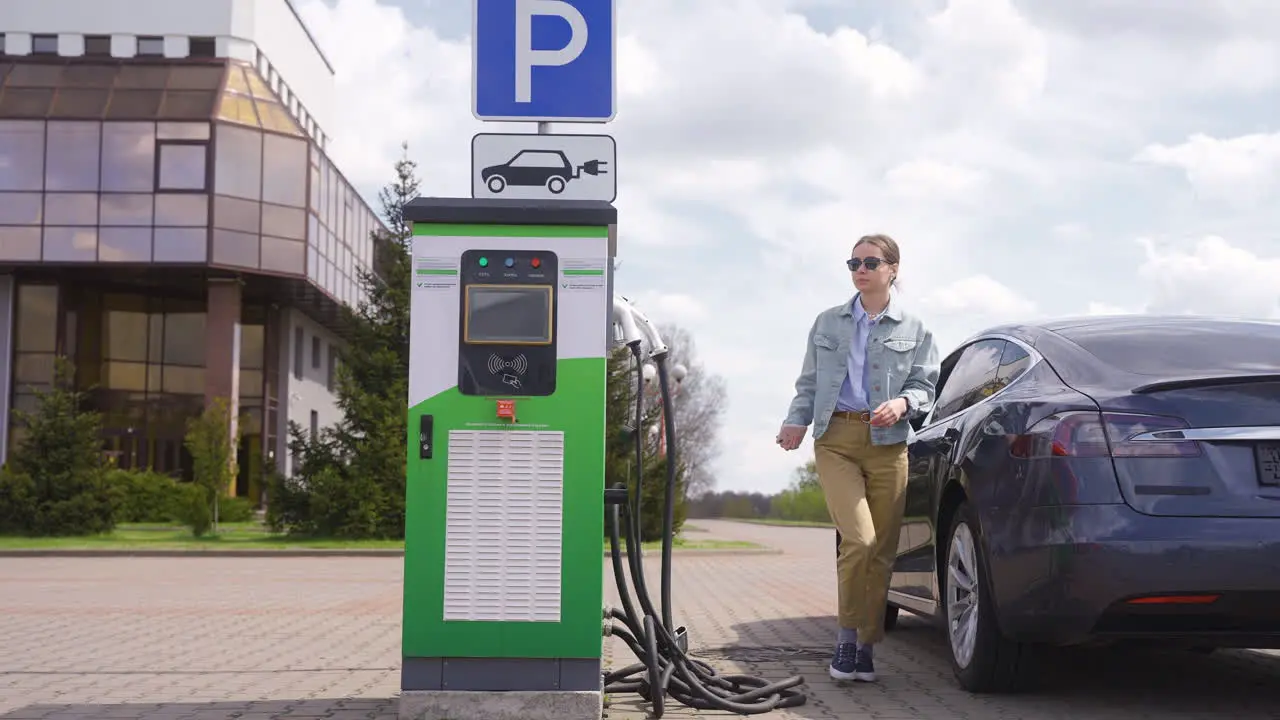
x=872, y=263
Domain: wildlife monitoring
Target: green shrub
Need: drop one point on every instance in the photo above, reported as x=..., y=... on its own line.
x=56, y=482
x=235, y=509
x=145, y=496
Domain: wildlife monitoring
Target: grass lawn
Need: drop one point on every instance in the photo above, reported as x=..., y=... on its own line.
x=253, y=536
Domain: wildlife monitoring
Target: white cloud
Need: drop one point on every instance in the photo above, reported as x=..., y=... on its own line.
x=1014, y=148
x=1241, y=170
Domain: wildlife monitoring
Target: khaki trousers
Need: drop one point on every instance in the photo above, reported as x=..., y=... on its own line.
x=865, y=488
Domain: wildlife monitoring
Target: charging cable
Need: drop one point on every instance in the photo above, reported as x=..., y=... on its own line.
x=666, y=669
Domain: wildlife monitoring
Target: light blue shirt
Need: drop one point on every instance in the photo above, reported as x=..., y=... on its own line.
x=853, y=395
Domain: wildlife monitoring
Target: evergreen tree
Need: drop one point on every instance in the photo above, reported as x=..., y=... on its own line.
x=350, y=479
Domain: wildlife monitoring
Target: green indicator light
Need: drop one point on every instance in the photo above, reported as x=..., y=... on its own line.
x=484, y=262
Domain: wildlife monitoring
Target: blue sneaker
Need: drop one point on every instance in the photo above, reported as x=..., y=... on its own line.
x=864, y=669
x=844, y=664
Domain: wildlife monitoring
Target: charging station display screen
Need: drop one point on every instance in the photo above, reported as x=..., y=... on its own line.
x=508, y=315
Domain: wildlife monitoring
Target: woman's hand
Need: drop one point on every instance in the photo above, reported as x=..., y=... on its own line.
x=889, y=413
x=790, y=436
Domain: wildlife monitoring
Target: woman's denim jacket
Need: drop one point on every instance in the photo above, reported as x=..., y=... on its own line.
x=902, y=357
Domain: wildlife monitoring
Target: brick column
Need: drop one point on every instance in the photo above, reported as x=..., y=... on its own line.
x=222, y=350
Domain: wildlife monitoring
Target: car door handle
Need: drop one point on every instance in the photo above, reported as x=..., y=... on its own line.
x=949, y=438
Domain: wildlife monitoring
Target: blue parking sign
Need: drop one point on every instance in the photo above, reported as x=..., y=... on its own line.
x=544, y=60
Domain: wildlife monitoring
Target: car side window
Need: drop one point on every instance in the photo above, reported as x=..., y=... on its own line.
x=1013, y=363
x=971, y=379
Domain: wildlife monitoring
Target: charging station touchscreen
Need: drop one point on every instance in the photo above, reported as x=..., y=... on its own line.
x=508, y=323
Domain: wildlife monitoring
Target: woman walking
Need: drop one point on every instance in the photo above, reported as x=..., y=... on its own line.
x=869, y=367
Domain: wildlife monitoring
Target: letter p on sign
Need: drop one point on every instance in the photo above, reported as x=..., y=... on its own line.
x=527, y=58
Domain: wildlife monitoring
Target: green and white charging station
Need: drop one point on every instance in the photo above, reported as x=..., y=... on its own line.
x=510, y=329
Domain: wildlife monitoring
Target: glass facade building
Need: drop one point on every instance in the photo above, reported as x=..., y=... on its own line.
x=175, y=228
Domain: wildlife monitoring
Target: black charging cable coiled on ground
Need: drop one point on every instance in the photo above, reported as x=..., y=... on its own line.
x=666, y=670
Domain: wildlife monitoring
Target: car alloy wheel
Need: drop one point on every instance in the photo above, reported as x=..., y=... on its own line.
x=963, y=594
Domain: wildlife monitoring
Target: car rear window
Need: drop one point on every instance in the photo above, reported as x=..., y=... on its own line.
x=1183, y=348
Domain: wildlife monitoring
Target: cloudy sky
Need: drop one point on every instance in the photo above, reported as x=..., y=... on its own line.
x=1034, y=158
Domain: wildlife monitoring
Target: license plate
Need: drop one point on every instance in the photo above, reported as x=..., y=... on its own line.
x=1269, y=463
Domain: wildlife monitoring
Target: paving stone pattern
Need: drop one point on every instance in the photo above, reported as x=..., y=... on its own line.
x=266, y=638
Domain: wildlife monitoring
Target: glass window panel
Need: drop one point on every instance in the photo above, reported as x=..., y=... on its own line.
x=180, y=245
x=183, y=166
x=134, y=104
x=184, y=339
x=238, y=109
x=125, y=209
x=313, y=265
x=238, y=169
x=315, y=189
x=235, y=79
x=126, y=376
x=155, y=339
x=20, y=243
x=155, y=373
x=183, y=380
x=151, y=46
x=186, y=210
x=250, y=385
x=125, y=332
x=34, y=368
x=72, y=157
x=97, y=45
x=284, y=222
x=71, y=209
x=188, y=104
x=182, y=131
x=21, y=154
x=257, y=86
x=275, y=117
x=124, y=244
x=128, y=156
x=252, y=346
x=205, y=47
x=20, y=208
x=313, y=230
x=284, y=170
x=70, y=244
x=25, y=103
x=35, y=75
x=235, y=214
x=195, y=77
x=44, y=44
x=80, y=103
x=88, y=77
x=235, y=248
x=37, y=318
x=286, y=256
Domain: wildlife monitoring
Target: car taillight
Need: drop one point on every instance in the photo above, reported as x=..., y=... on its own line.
x=1091, y=434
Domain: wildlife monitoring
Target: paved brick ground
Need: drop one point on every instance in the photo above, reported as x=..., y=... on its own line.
x=259, y=638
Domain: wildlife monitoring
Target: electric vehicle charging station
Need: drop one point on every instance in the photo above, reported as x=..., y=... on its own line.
x=510, y=330
x=512, y=324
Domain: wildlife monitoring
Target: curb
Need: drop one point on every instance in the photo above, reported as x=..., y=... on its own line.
x=316, y=552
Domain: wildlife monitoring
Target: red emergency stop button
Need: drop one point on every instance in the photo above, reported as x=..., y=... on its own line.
x=507, y=409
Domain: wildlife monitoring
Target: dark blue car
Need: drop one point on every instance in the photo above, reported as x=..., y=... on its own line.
x=1097, y=480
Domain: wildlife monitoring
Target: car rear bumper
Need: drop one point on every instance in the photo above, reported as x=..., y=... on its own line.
x=1066, y=575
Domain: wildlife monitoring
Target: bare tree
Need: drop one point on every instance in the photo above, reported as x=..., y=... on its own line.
x=699, y=404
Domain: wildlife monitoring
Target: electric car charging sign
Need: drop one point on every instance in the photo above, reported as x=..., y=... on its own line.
x=524, y=166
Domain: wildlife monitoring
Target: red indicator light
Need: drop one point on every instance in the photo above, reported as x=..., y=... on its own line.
x=507, y=409
x=536, y=262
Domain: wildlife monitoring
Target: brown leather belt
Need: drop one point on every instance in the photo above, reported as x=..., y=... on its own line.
x=864, y=416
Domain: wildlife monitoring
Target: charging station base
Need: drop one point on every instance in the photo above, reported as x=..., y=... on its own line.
x=510, y=705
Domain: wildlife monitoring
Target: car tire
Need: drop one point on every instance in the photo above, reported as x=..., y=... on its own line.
x=983, y=660
x=496, y=184
x=556, y=185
